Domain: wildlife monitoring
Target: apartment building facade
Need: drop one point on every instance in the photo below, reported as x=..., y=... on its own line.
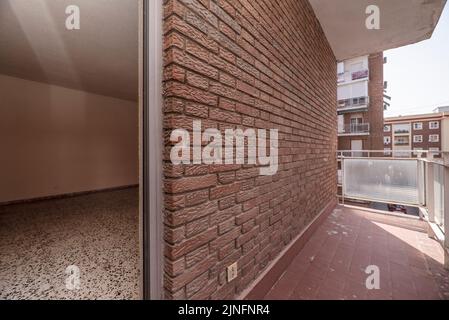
x=423, y=132
x=360, y=103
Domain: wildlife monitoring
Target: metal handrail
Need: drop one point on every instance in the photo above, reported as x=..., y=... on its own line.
x=429, y=154
x=362, y=74
x=356, y=128
x=349, y=103
x=427, y=163
x=432, y=186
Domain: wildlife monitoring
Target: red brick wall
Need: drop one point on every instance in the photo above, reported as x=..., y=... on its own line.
x=376, y=107
x=426, y=132
x=247, y=64
x=375, y=114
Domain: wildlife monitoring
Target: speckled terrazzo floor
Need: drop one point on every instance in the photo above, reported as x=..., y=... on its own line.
x=98, y=233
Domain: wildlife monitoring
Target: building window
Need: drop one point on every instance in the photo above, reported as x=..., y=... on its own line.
x=434, y=138
x=434, y=125
x=387, y=140
x=401, y=141
x=403, y=128
x=417, y=126
x=341, y=123
x=362, y=100
x=387, y=128
x=417, y=139
x=341, y=68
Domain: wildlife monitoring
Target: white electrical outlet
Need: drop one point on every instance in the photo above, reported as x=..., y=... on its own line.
x=232, y=272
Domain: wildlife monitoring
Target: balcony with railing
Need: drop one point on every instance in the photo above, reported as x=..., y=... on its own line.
x=403, y=141
x=421, y=182
x=356, y=240
x=353, y=104
x=354, y=129
x=402, y=129
x=350, y=76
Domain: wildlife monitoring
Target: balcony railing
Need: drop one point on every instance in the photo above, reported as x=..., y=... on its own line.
x=362, y=74
x=355, y=128
x=353, y=103
x=402, y=131
x=419, y=182
x=401, y=143
x=348, y=76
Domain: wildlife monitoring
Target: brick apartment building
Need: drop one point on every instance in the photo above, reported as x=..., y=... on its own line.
x=428, y=132
x=360, y=103
x=232, y=64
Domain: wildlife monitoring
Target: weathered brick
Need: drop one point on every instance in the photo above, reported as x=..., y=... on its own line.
x=244, y=64
x=180, y=90
x=175, y=23
x=226, y=226
x=197, y=50
x=226, y=177
x=196, y=256
x=174, y=268
x=223, y=191
x=175, y=284
x=225, y=116
x=178, y=250
x=174, y=55
x=196, y=197
x=197, y=284
x=225, y=239
x=198, y=8
x=197, y=81
x=174, y=40
x=245, y=216
x=197, y=226
x=190, y=183
x=197, y=110
x=223, y=215
x=223, y=16
x=227, y=202
x=247, y=236
x=185, y=215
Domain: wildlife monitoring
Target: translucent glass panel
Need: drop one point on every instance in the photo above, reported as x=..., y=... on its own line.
x=438, y=188
x=383, y=180
x=421, y=182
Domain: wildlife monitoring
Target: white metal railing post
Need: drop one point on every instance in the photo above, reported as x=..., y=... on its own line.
x=343, y=181
x=446, y=208
x=422, y=187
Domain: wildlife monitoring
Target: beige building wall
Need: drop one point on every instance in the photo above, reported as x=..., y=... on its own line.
x=56, y=140
x=445, y=133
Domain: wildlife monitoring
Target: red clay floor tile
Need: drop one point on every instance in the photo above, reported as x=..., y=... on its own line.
x=332, y=265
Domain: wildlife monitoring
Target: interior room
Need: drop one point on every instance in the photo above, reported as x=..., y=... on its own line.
x=69, y=159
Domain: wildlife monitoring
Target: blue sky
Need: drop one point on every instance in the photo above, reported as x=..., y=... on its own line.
x=418, y=74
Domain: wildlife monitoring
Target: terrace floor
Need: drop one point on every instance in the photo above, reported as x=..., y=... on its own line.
x=332, y=264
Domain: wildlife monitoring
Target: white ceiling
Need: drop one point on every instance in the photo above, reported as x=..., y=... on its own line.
x=101, y=57
x=402, y=22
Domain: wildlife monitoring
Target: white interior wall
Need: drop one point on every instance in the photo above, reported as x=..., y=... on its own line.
x=55, y=140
